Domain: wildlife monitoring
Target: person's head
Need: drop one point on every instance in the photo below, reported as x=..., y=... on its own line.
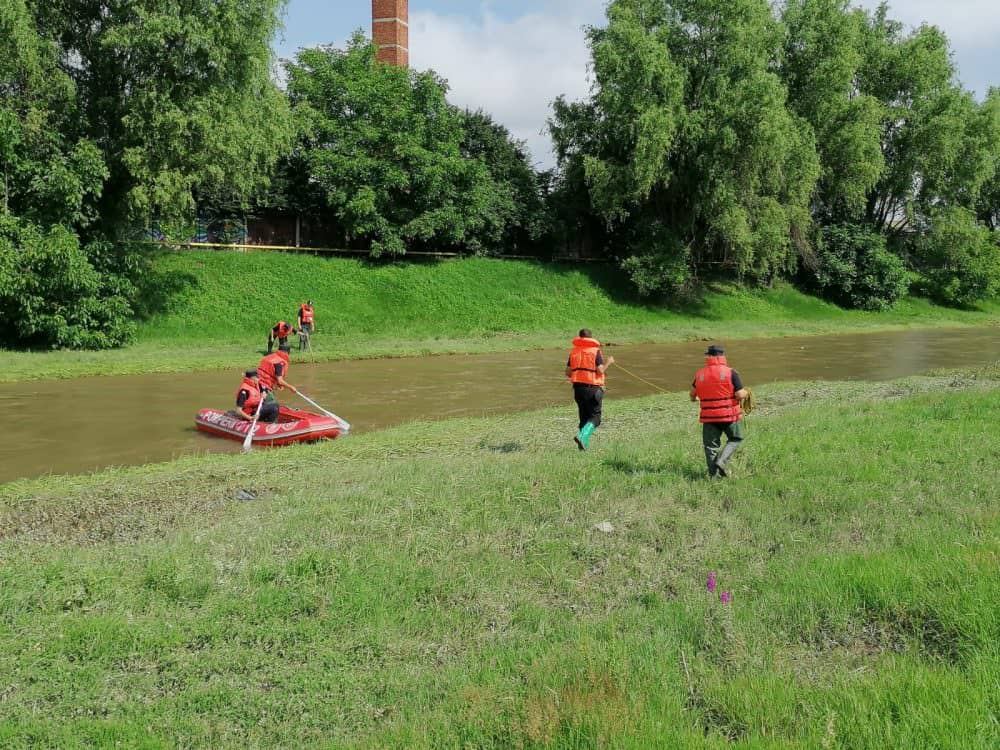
x=715, y=350
x=309, y=302
x=285, y=348
x=585, y=333
x=252, y=374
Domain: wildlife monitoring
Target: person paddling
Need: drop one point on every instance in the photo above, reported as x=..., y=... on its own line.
x=273, y=371
x=248, y=399
x=585, y=370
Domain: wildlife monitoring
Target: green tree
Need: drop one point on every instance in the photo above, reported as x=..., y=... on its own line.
x=687, y=147
x=517, y=189
x=178, y=98
x=380, y=147
x=936, y=142
x=823, y=54
x=959, y=258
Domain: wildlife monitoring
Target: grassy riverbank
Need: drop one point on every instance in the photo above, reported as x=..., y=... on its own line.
x=445, y=585
x=212, y=311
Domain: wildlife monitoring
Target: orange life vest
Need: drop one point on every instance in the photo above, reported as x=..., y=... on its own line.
x=266, y=372
x=583, y=362
x=282, y=329
x=253, y=396
x=713, y=385
x=306, y=313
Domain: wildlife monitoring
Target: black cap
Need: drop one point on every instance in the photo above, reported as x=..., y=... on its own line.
x=715, y=350
x=284, y=348
x=250, y=373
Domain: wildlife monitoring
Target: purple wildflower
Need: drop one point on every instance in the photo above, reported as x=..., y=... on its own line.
x=725, y=597
x=711, y=582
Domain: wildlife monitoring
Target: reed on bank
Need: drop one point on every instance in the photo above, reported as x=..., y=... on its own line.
x=481, y=583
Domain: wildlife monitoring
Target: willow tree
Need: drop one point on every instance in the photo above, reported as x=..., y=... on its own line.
x=686, y=145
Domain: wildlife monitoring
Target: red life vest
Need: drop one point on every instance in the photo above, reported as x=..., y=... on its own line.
x=306, y=313
x=713, y=385
x=282, y=329
x=266, y=372
x=583, y=362
x=253, y=396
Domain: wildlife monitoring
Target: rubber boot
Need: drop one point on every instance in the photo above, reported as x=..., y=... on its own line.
x=710, y=454
x=727, y=453
x=583, y=437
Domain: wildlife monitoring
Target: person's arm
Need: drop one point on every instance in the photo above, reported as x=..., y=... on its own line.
x=604, y=365
x=739, y=392
x=282, y=383
x=241, y=410
x=693, y=393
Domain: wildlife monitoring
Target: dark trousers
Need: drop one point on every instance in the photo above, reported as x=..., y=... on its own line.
x=588, y=402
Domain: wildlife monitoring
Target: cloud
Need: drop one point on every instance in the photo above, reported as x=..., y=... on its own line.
x=514, y=68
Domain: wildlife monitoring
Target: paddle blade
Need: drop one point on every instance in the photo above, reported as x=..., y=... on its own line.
x=248, y=440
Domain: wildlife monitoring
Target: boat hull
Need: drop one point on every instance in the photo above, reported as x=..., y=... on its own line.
x=293, y=426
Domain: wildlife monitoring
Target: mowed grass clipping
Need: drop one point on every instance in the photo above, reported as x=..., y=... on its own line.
x=447, y=585
x=212, y=310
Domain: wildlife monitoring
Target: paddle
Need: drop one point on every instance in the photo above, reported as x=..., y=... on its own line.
x=248, y=440
x=347, y=425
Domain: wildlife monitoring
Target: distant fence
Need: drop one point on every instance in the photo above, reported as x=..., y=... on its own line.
x=300, y=234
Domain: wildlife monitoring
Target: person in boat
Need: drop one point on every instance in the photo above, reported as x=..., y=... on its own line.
x=719, y=389
x=585, y=370
x=279, y=332
x=273, y=371
x=307, y=317
x=249, y=397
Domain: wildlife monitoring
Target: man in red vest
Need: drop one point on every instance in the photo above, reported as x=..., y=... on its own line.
x=273, y=370
x=307, y=317
x=719, y=389
x=279, y=332
x=248, y=398
x=585, y=370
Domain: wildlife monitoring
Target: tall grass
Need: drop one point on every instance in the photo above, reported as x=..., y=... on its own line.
x=447, y=585
x=208, y=310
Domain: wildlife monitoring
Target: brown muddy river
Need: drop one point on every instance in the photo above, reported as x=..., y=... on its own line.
x=79, y=425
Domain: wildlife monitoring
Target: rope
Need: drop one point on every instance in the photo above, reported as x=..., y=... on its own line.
x=749, y=403
x=643, y=380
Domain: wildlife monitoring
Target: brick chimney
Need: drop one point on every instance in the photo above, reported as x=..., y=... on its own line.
x=391, y=31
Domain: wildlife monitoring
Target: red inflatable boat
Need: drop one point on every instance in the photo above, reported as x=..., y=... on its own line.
x=293, y=426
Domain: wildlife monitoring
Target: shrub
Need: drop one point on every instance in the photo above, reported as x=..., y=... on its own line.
x=53, y=296
x=855, y=269
x=958, y=258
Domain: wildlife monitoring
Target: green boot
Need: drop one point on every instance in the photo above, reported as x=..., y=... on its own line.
x=583, y=437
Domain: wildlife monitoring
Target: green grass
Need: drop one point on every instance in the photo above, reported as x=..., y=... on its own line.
x=212, y=310
x=442, y=585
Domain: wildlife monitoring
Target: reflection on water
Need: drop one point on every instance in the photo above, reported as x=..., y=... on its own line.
x=79, y=425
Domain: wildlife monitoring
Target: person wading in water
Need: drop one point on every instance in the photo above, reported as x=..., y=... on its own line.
x=719, y=389
x=585, y=369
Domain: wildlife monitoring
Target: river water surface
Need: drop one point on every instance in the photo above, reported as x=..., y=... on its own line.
x=72, y=426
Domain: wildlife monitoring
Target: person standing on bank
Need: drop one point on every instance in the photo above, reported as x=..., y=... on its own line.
x=306, y=317
x=585, y=369
x=719, y=389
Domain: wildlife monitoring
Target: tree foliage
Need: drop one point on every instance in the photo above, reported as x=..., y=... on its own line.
x=382, y=149
x=686, y=146
x=111, y=113
x=854, y=268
